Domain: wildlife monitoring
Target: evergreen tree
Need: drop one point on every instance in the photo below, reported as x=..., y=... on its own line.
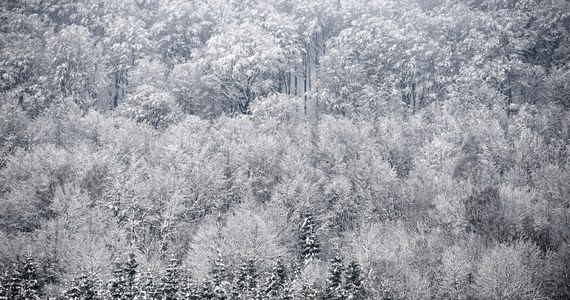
x=206, y=290
x=310, y=292
x=334, y=289
x=188, y=290
x=251, y=288
x=3, y=286
x=308, y=240
x=118, y=283
x=146, y=288
x=218, y=287
x=276, y=280
x=72, y=293
x=130, y=272
x=30, y=286
x=22, y=283
x=14, y=283
x=353, y=281
x=287, y=293
x=83, y=288
x=169, y=282
x=221, y=291
x=239, y=284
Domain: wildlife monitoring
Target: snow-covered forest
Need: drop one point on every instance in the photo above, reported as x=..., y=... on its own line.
x=284, y=149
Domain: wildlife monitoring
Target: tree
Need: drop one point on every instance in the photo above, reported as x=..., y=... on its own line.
x=380, y=55
x=555, y=90
x=217, y=286
x=310, y=292
x=4, y=285
x=147, y=288
x=148, y=71
x=30, y=285
x=188, y=289
x=170, y=281
x=484, y=214
x=22, y=39
x=528, y=46
x=240, y=282
x=503, y=274
x=182, y=26
x=285, y=28
x=82, y=288
x=22, y=283
x=13, y=283
x=288, y=293
x=74, y=67
x=456, y=273
x=244, y=233
x=126, y=39
x=150, y=105
x=278, y=108
x=236, y=66
x=310, y=248
x=557, y=278
x=13, y=130
x=118, y=285
x=276, y=281
x=245, y=281
x=318, y=23
x=124, y=283
x=334, y=285
x=252, y=284
x=354, y=289
x=131, y=277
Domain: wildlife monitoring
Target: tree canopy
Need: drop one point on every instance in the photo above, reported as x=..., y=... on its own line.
x=338, y=149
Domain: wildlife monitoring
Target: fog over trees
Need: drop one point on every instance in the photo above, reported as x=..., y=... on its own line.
x=284, y=149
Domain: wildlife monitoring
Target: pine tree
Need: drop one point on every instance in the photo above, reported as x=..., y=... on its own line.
x=207, y=290
x=88, y=288
x=239, y=284
x=308, y=239
x=188, y=290
x=252, y=291
x=169, y=282
x=310, y=292
x=334, y=289
x=287, y=293
x=30, y=287
x=130, y=272
x=72, y=293
x=219, y=271
x=3, y=286
x=353, y=281
x=22, y=283
x=14, y=283
x=118, y=283
x=146, y=288
x=276, y=280
x=83, y=288
x=218, y=287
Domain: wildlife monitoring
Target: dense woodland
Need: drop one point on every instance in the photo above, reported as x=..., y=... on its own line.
x=284, y=149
